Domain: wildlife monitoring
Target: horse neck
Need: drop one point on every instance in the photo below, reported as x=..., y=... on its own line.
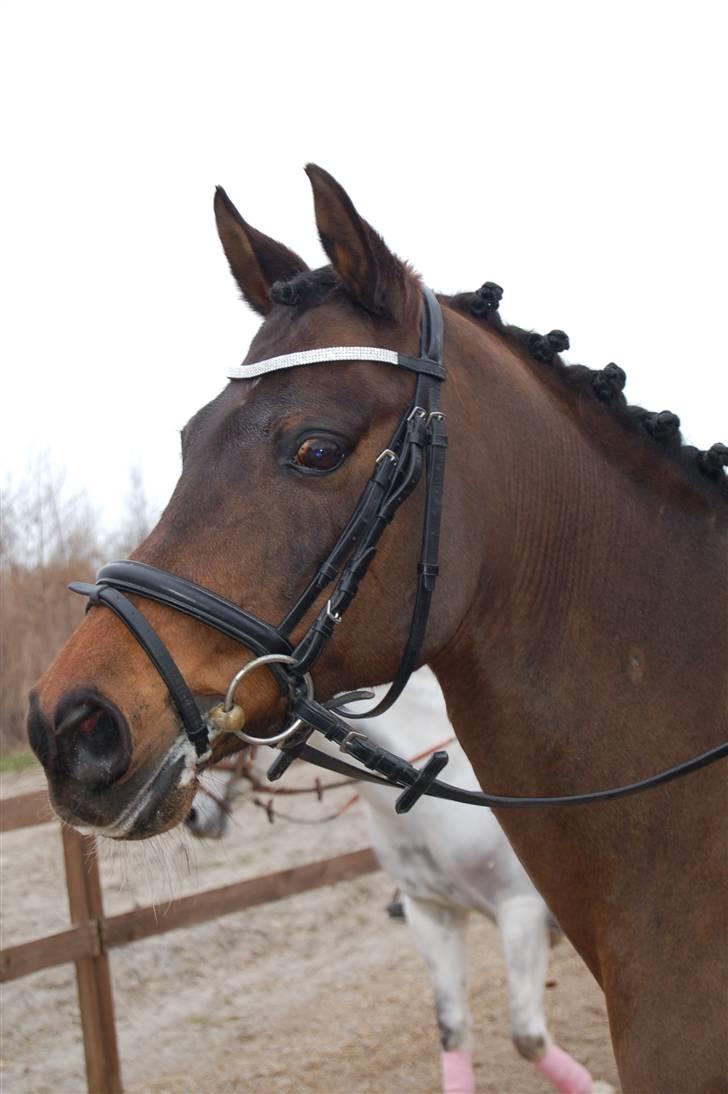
x=597, y=605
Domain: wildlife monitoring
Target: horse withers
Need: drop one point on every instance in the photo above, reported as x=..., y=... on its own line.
x=578, y=630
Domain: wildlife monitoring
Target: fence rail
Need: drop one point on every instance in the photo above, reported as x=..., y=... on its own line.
x=25, y=811
x=88, y=942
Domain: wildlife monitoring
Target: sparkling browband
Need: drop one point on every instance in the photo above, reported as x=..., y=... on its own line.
x=336, y=353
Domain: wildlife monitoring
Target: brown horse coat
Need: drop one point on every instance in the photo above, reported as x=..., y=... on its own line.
x=579, y=631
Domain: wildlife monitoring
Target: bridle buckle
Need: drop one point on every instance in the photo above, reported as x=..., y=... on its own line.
x=350, y=738
x=334, y=617
x=386, y=452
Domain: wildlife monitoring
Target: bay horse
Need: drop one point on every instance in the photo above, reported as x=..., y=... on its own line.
x=579, y=629
x=448, y=861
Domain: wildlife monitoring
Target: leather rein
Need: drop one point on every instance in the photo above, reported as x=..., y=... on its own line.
x=418, y=446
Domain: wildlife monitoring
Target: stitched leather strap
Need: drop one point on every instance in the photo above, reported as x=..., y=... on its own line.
x=192, y=599
x=385, y=768
x=427, y=395
x=368, y=506
x=159, y=655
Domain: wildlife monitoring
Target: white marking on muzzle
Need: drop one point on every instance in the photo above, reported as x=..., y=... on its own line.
x=128, y=816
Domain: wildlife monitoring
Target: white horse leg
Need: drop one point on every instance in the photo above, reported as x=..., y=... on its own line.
x=208, y=817
x=440, y=935
x=524, y=932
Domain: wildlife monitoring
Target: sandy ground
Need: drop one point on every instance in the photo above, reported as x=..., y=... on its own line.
x=319, y=993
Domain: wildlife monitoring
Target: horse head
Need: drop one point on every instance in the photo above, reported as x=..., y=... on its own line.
x=271, y=470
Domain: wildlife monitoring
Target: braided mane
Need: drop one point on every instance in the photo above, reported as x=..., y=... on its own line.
x=606, y=385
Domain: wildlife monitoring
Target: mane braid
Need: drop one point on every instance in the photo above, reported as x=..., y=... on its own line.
x=605, y=385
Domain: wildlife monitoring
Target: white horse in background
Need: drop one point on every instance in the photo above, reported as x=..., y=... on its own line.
x=449, y=860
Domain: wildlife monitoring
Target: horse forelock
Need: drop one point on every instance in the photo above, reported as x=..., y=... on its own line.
x=312, y=288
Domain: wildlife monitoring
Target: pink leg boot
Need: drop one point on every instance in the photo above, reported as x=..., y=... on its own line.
x=457, y=1073
x=564, y=1072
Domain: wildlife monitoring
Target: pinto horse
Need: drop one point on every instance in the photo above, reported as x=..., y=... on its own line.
x=579, y=629
x=447, y=861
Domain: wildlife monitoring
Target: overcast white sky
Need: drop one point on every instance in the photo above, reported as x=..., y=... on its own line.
x=575, y=153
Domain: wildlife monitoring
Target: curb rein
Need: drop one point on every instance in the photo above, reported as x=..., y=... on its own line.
x=419, y=443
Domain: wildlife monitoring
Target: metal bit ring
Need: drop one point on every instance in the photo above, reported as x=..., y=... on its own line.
x=269, y=659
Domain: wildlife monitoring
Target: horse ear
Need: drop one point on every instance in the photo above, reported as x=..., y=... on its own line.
x=256, y=261
x=372, y=274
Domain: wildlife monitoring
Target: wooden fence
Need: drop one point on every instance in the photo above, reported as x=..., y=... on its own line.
x=92, y=934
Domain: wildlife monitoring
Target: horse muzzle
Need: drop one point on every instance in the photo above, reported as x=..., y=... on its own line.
x=86, y=751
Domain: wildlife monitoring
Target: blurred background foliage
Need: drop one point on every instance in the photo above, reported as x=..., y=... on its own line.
x=49, y=537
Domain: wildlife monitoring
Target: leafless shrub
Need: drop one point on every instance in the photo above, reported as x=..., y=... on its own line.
x=48, y=538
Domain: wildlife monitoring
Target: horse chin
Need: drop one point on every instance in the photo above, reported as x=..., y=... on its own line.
x=155, y=799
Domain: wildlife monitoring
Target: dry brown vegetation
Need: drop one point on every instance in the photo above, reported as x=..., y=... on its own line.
x=48, y=538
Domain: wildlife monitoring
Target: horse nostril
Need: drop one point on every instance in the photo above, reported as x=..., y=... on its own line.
x=40, y=732
x=191, y=817
x=93, y=739
x=83, y=717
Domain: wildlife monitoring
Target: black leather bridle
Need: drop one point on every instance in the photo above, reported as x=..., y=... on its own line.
x=419, y=444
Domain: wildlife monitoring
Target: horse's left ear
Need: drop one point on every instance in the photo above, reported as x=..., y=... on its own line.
x=372, y=274
x=256, y=261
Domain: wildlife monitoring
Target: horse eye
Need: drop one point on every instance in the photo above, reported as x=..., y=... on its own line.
x=319, y=454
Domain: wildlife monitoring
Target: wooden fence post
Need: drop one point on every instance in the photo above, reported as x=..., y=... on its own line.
x=93, y=976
